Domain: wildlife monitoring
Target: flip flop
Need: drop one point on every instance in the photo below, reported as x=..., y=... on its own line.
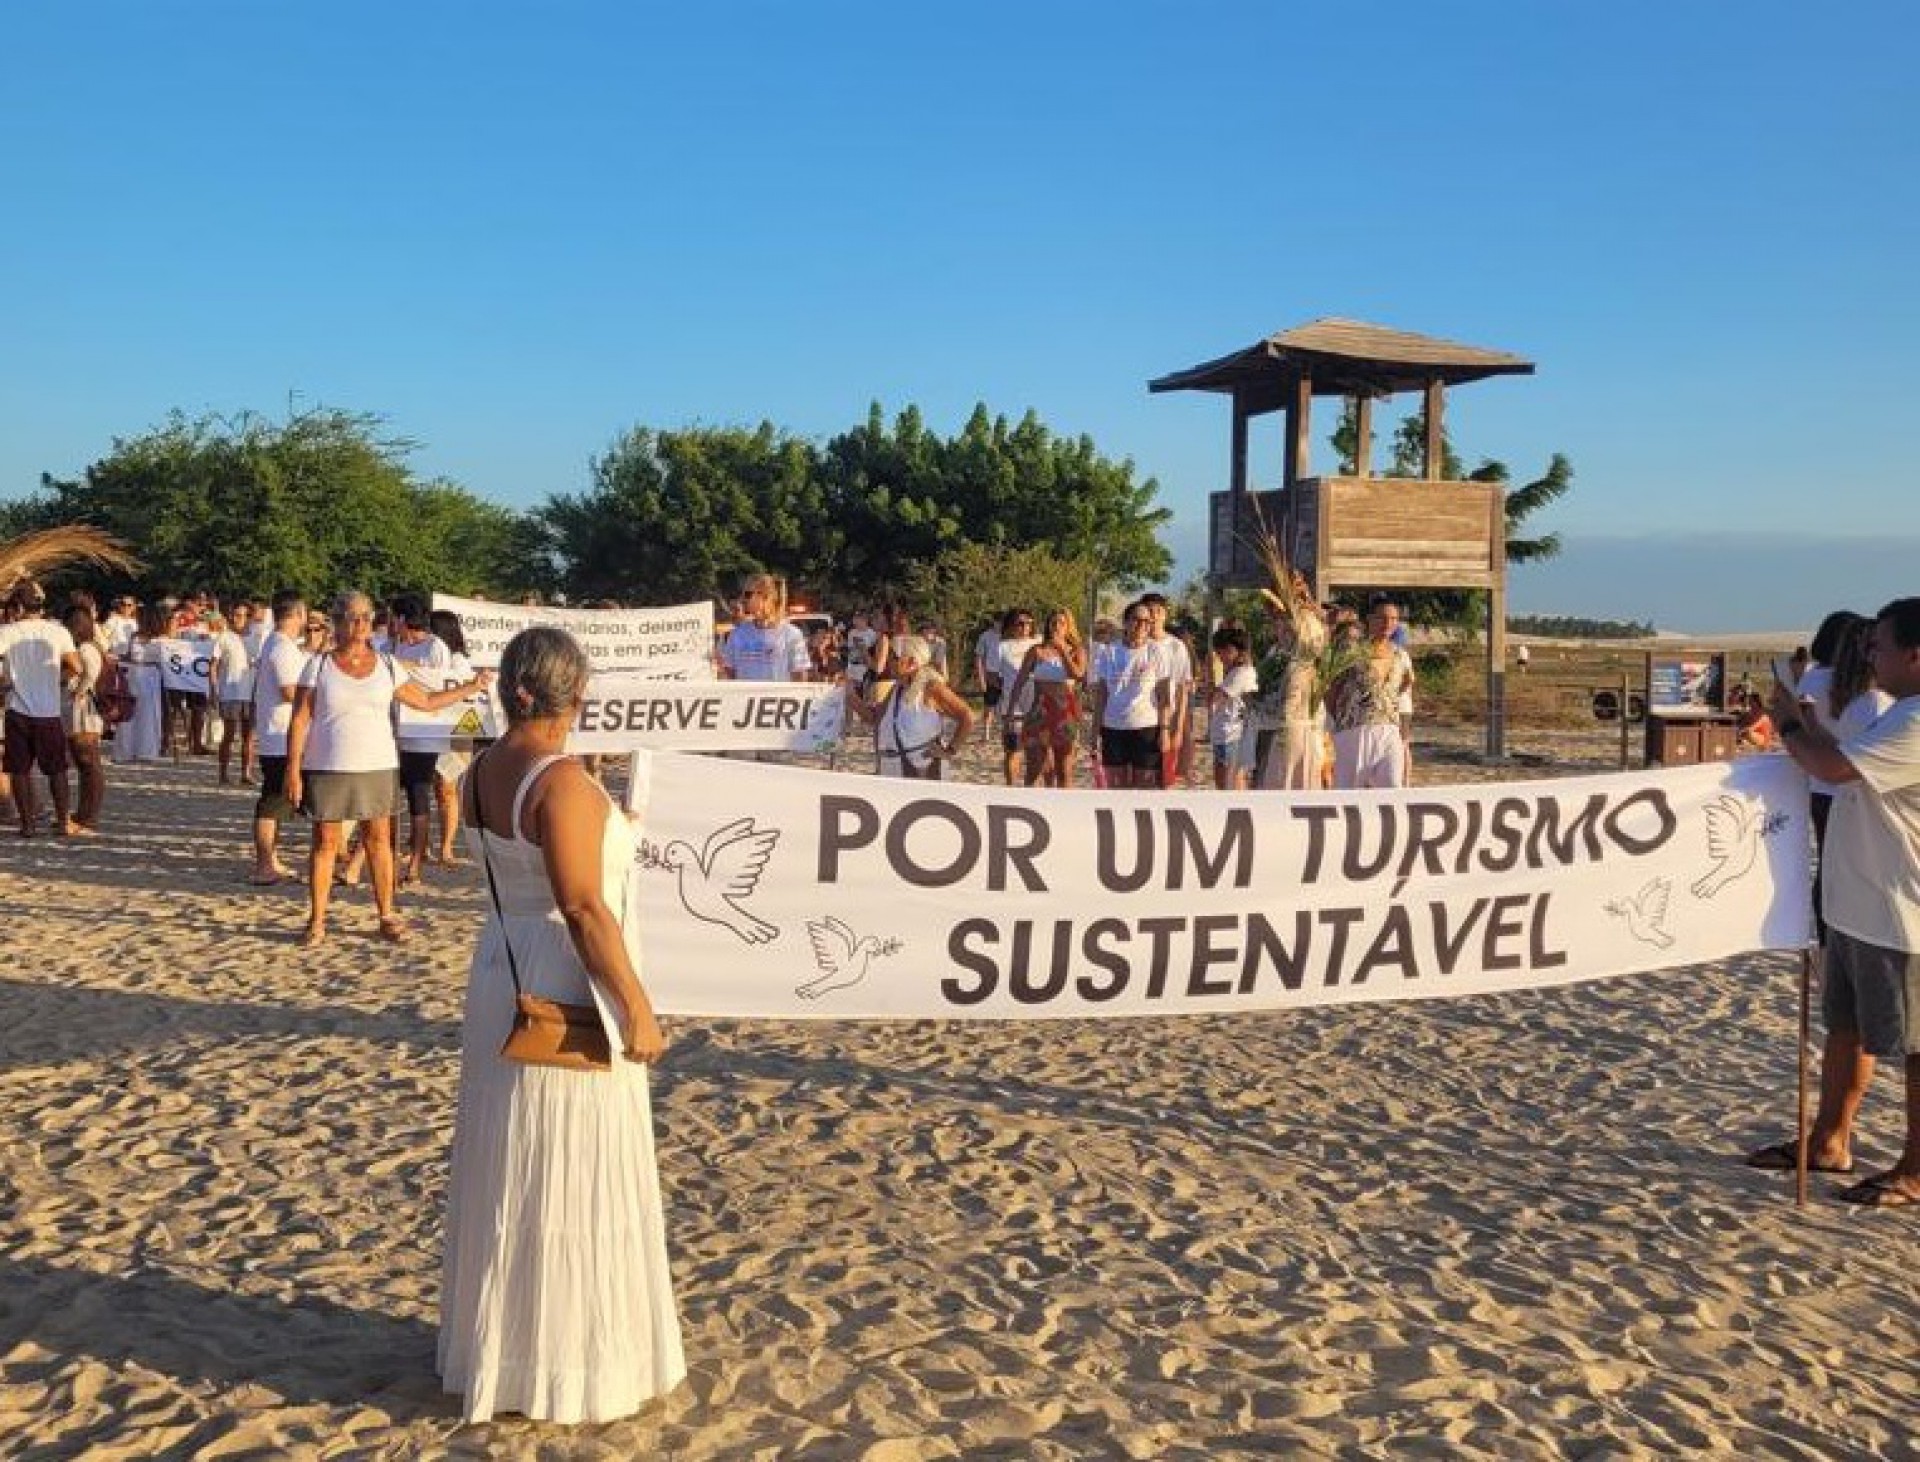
x=258, y=882
x=1784, y=1157
x=1883, y=1190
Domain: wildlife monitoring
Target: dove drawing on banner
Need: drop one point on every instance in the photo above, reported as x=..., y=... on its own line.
x=714, y=880
x=1646, y=912
x=1733, y=842
x=841, y=956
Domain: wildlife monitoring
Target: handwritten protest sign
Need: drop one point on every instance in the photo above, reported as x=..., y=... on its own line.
x=671, y=643
x=785, y=892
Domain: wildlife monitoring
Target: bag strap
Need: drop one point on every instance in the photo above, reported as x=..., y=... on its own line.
x=486, y=861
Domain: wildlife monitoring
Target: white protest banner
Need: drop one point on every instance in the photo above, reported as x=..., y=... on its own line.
x=635, y=712
x=185, y=662
x=775, y=891
x=671, y=643
x=631, y=713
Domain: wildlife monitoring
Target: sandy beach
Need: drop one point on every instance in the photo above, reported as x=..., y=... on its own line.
x=1486, y=1228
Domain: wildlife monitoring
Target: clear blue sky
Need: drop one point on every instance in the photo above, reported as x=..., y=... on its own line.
x=516, y=230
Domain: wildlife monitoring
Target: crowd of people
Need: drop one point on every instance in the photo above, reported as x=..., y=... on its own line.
x=1328, y=706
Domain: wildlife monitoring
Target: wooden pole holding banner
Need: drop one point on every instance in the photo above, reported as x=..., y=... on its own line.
x=1802, y=1137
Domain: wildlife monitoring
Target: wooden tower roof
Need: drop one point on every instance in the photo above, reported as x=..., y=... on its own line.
x=1346, y=358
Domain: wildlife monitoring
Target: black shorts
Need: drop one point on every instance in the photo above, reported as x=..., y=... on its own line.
x=35, y=739
x=272, y=804
x=1137, y=747
x=417, y=775
x=992, y=697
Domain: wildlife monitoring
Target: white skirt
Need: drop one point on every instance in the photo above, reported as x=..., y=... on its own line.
x=556, y=1301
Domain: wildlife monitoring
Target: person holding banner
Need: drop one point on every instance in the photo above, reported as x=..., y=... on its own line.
x=910, y=724
x=342, y=760
x=451, y=766
x=431, y=664
x=556, y=1300
x=763, y=644
x=1871, y=894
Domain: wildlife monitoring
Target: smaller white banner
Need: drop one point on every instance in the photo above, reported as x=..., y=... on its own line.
x=636, y=712
x=673, y=642
x=184, y=663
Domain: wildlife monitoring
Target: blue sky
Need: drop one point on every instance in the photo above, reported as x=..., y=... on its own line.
x=515, y=231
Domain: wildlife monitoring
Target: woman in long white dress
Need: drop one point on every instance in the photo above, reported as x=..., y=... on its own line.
x=143, y=737
x=556, y=1300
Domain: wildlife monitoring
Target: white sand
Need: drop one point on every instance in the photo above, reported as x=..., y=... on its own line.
x=1479, y=1228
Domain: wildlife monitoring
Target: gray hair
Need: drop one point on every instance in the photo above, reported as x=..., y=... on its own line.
x=342, y=603
x=543, y=672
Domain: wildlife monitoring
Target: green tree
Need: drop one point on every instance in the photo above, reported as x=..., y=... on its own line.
x=242, y=504
x=680, y=515
x=974, y=582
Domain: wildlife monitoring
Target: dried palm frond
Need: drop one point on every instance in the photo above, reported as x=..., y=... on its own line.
x=1286, y=592
x=33, y=555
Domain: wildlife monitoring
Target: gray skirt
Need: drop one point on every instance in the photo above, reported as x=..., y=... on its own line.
x=349, y=796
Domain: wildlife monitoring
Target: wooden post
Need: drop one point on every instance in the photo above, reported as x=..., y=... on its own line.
x=1801, y=1135
x=1238, y=519
x=1363, y=436
x=1497, y=628
x=1299, y=429
x=1436, y=466
x=1626, y=731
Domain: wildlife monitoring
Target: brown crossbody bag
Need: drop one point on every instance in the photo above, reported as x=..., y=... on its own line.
x=545, y=1032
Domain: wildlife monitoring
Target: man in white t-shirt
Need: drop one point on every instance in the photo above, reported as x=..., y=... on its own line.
x=37, y=656
x=1010, y=648
x=1870, y=891
x=986, y=667
x=430, y=662
x=277, y=677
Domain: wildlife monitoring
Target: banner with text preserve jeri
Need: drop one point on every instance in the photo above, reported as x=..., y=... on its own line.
x=776, y=891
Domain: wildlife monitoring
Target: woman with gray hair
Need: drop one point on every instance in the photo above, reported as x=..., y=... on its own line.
x=910, y=722
x=555, y=1297
x=342, y=762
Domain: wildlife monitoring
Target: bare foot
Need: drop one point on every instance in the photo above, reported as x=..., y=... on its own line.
x=316, y=935
x=78, y=829
x=393, y=930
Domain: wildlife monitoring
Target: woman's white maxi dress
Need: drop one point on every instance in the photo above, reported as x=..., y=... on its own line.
x=556, y=1300
x=139, y=739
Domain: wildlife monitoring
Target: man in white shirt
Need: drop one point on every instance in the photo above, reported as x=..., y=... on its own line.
x=431, y=663
x=277, y=677
x=38, y=656
x=1870, y=892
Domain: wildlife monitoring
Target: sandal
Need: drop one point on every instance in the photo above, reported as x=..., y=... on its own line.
x=1884, y=1190
x=394, y=930
x=1784, y=1157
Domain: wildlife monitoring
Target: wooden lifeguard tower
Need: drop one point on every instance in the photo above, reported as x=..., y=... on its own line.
x=1361, y=531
